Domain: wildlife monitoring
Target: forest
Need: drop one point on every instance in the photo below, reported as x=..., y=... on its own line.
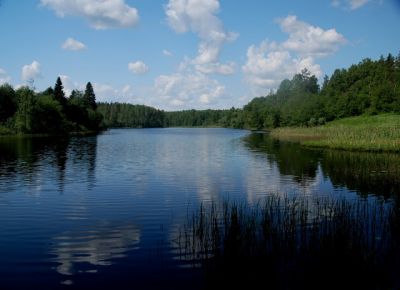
x=368, y=88
x=24, y=111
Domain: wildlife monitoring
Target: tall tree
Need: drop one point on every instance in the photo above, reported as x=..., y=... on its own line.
x=8, y=104
x=59, y=94
x=90, y=97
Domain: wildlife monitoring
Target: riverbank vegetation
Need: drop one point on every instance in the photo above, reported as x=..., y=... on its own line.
x=362, y=133
x=296, y=243
x=24, y=111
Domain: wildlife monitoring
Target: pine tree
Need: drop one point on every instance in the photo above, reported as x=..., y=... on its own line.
x=90, y=97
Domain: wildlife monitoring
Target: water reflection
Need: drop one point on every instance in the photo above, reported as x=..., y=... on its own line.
x=366, y=173
x=32, y=159
x=83, y=251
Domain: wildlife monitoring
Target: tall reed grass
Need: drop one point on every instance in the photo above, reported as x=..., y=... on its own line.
x=363, y=133
x=293, y=243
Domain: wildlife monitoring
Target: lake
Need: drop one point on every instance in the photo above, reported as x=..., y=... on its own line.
x=106, y=210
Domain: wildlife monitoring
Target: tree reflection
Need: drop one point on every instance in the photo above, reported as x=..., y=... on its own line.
x=33, y=158
x=290, y=158
x=366, y=173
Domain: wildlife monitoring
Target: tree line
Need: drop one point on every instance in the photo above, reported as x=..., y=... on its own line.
x=24, y=111
x=369, y=87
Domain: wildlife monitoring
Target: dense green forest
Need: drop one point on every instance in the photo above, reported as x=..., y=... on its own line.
x=116, y=115
x=369, y=87
x=24, y=111
x=205, y=118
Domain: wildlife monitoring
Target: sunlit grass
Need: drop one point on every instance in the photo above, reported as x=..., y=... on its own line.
x=362, y=133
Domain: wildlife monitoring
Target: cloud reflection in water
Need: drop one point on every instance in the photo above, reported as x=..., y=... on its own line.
x=74, y=251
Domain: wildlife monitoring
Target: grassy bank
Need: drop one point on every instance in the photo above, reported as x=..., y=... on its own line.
x=295, y=243
x=362, y=133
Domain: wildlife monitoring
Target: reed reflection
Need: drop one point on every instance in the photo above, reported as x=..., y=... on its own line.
x=365, y=173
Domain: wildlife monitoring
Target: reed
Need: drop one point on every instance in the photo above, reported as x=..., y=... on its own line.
x=362, y=133
x=287, y=243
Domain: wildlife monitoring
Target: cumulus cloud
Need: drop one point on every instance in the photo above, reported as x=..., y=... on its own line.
x=101, y=14
x=72, y=44
x=349, y=4
x=31, y=71
x=270, y=62
x=308, y=40
x=187, y=90
x=138, y=67
x=4, y=77
x=199, y=17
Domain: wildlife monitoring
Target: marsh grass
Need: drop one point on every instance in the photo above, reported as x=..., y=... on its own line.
x=362, y=133
x=294, y=243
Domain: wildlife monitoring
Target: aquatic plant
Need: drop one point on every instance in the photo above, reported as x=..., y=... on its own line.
x=288, y=242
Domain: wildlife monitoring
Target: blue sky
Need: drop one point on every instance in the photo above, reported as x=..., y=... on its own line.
x=182, y=54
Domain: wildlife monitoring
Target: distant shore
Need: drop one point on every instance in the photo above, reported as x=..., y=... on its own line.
x=379, y=133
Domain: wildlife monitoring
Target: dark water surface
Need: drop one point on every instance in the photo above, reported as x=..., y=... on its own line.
x=105, y=211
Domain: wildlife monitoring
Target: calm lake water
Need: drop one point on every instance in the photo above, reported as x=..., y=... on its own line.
x=98, y=211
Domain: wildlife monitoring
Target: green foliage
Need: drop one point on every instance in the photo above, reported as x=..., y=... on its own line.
x=205, y=118
x=47, y=116
x=128, y=115
x=49, y=112
x=8, y=102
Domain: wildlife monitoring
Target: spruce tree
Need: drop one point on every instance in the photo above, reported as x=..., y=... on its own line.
x=59, y=93
x=90, y=97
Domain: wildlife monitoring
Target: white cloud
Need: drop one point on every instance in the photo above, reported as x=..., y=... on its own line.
x=4, y=77
x=223, y=69
x=349, y=4
x=187, y=90
x=101, y=14
x=138, y=67
x=308, y=40
x=167, y=53
x=270, y=62
x=199, y=17
x=355, y=4
x=31, y=71
x=72, y=44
